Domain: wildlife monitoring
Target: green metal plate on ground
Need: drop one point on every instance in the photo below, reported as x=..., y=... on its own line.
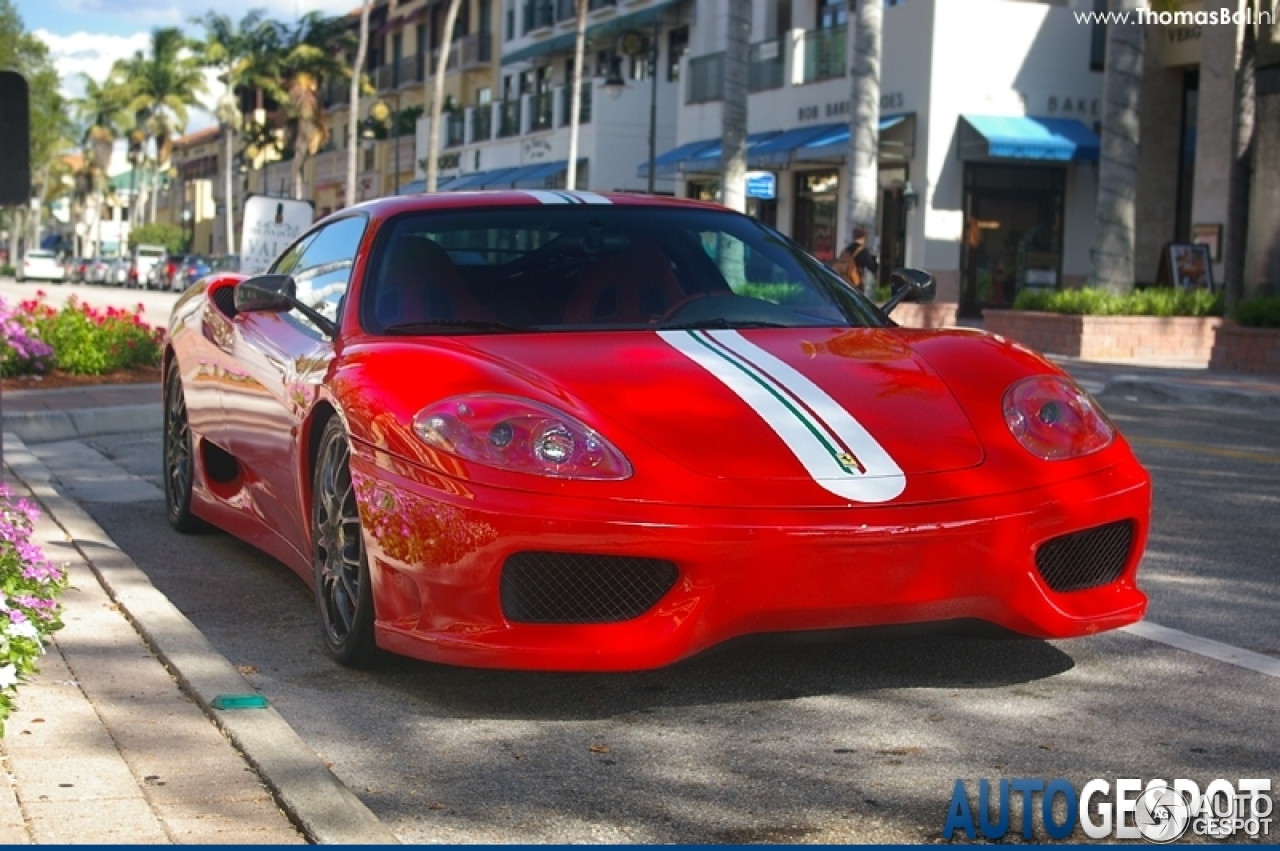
x=239, y=701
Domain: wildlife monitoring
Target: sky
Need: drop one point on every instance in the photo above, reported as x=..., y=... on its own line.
x=87, y=36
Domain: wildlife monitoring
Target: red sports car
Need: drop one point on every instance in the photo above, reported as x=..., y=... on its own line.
x=566, y=430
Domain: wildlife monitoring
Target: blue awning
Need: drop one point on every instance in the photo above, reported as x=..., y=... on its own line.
x=470, y=181
x=537, y=179
x=833, y=142
x=417, y=187
x=1026, y=138
x=777, y=151
x=505, y=178
x=708, y=159
x=668, y=164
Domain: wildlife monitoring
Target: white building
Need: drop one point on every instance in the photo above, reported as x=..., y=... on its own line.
x=988, y=124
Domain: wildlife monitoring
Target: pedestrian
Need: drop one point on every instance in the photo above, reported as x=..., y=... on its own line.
x=857, y=265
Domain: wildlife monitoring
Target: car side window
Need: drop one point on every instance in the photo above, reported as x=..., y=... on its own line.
x=322, y=268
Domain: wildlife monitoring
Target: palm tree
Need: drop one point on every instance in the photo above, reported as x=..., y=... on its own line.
x=164, y=82
x=864, y=39
x=437, y=102
x=229, y=47
x=292, y=63
x=733, y=133
x=575, y=94
x=353, y=118
x=1113, y=232
x=101, y=113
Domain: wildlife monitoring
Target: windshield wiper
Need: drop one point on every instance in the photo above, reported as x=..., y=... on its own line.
x=721, y=323
x=453, y=325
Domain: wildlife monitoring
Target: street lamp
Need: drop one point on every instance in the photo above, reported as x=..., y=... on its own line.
x=632, y=43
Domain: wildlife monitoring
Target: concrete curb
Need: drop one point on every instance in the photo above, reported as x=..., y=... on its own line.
x=1172, y=392
x=318, y=803
x=48, y=426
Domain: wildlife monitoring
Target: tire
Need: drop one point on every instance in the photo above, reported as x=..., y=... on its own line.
x=344, y=597
x=179, y=458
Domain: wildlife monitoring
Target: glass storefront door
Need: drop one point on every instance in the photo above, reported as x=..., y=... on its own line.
x=1013, y=234
x=816, y=209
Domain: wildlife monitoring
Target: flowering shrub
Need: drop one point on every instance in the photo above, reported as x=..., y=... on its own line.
x=29, y=589
x=22, y=352
x=84, y=340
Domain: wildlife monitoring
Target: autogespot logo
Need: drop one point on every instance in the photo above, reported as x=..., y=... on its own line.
x=1159, y=812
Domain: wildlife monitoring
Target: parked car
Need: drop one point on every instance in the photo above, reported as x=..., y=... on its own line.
x=96, y=270
x=145, y=259
x=118, y=272
x=567, y=430
x=192, y=268
x=40, y=265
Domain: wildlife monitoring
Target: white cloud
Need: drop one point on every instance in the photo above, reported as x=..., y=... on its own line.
x=91, y=54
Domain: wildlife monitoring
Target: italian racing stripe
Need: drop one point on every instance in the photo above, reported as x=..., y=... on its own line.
x=832, y=446
x=556, y=196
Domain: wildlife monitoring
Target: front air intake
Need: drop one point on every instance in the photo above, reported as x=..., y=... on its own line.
x=1087, y=559
x=566, y=588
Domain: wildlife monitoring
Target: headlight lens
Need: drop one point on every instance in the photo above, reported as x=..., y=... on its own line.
x=519, y=435
x=1054, y=419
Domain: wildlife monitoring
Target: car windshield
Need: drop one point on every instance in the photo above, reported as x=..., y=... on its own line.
x=597, y=267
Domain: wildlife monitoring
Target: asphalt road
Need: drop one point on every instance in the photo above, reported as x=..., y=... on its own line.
x=854, y=739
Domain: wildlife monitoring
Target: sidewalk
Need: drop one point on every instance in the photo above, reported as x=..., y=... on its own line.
x=117, y=740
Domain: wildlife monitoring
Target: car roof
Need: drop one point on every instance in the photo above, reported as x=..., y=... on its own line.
x=383, y=208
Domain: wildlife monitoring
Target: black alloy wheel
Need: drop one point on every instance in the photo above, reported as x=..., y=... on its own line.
x=179, y=459
x=343, y=595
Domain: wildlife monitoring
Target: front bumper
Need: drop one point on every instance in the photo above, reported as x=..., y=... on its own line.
x=437, y=549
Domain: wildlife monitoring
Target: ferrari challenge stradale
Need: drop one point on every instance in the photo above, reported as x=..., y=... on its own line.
x=574, y=431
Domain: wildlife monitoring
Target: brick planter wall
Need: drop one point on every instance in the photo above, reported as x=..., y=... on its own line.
x=1237, y=349
x=938, y=314
x=1183, y=338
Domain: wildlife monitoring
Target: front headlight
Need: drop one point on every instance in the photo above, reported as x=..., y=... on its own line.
x=1054, y=419
x=519, y=435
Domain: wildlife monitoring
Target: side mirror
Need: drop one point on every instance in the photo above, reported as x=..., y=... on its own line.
x=910, y=285
x=278, y=294
x=266, y=294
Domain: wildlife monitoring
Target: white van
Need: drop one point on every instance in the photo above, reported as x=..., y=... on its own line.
x=145, y=258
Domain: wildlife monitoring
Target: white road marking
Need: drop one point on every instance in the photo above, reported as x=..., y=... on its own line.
x=1206, y=647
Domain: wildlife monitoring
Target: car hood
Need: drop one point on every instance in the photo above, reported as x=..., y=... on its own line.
x=855, y=410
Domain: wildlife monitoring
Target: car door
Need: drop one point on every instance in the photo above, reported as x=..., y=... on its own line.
x=283, y=358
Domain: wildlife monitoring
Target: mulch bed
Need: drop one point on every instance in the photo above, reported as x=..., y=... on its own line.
x=58, y=380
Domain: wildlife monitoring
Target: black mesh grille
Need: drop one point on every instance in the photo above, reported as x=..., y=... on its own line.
x=573, y=588
x=1087, y=559
x=225, y=299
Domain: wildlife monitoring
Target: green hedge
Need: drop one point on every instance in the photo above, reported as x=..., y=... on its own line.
x=1261, y=312
x=1163, y=301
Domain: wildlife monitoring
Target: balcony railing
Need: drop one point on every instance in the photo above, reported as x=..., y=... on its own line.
x=482, y=123
x=766, y=67
x=455, y=130
x=706, y=78
x=508, y=119
x=824, y=54
x=584, y=104
x=541, y=116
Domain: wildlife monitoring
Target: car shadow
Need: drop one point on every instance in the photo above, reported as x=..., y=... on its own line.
x=762, y=668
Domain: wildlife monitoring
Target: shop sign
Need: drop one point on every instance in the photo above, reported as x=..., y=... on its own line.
x=762, y=185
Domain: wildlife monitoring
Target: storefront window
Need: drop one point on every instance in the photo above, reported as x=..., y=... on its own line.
x=1013, y=233
x=816, y=208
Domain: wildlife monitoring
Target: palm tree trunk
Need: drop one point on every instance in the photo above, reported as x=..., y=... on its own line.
x=228, y=146
x=1113, y=235
x=1241, y=174
x=353, y=123
x=864, y=40
x=733, y=133
x=575, y=95
x=437, y=102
